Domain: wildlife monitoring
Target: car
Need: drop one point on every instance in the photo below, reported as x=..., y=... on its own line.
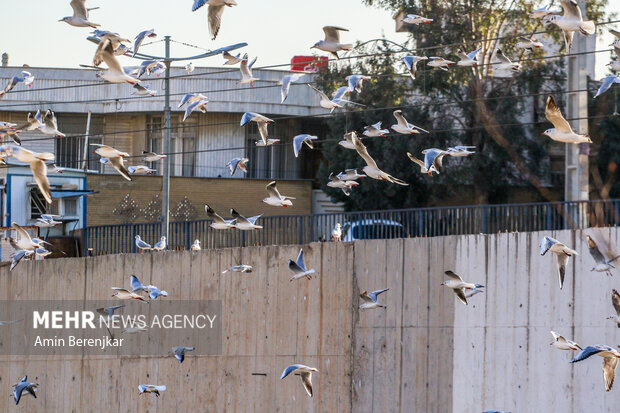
x=372, y=229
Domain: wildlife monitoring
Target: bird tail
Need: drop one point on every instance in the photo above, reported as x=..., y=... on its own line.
x=479, y=286
x=94, y=25
x=587, y=27
x=349, y=46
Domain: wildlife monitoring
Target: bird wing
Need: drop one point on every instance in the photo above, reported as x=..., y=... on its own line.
x=107, y=55
x=117, y=163
x=568, y=39
x=472, y=55
x=332, y=33
x=595, y=252
x=606, y=84
x=609, y=371
x=501, y=57
x=190, y=109
x=555, y=335
x=460, y=293
x=286, y=84
x=419, y=162
x=135, y=283
x=245, y=69
x=272, y=190
x=289, y=370
x=364, y=296
x=263, y=130
x=412, y=65
x=571, y=9
x=39, y=171
x=373, y=295
x=79, y=9
x=228, y=56
x=239, y=217
x=292, y=265
x=185, y=99
x=453, y=276
x=300, y=260
x=215, y=19
x=363, y=152
x=213, y=215
x=587, y=352
x=352, y=82
x=198, y=4
x=297, y=142
x=321, y=94
x=562, y=261
x=546, y=243
x=615, y=300
x=401, y=119
x=554, y=115
x=306, y=379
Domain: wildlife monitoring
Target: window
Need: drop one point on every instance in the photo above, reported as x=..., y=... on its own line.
x=71, y=150
x=182, y=143
x=271, y=162
x=65, y=207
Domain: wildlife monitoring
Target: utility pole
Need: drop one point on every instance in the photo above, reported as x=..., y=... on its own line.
x=165, y=202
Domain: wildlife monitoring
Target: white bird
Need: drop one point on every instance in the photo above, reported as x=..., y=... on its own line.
x=306, y=375
x=459, y=151
x=151, y=388
x=52, y=168
x=370, y=299
x=616, y=42
x=50, y=124
x=18, y=255
x=25, y=77
x=468, y=59
x=216, y=9
x=269, y=142
x=420, y=163
x=195, y=246
x=412, y=64
x=404, y=127
x=275, y=199
x=299, y=140
x=24, y=241
x=562, y=252
x=179, y=352
x=350, y=175
x=371, y=169
x=331, y=43
x=528, y=44
x=286, y=84
x=607, y=82
x=299, y=267
x=161, y=244
x=337, y=233
x=355, y=82
x=143, y=246
x=189, y=68
x=602, y=265
x=562, y=131
x=115, y=72
x=246, y=70
x=230, y=59
x=374, y=131
x=262, y=123
x=541, y=12
x=459, y=286
x=155, y=292
x=243, y=223
x=149, y=67
x=37, y=166
x=80, y=15
x=140, y=170
x=345, y=186
x=325, y=101
x=615, y=301
x=125, y=294
x=109, y=311
x=347, y=143
x=561, y=343
x=610, y=358
x=136, y=285
x=24, y=385
x=218, y=221
x=241, y=163
x=140, y=38
x=143, y=90
x=415, y=19
x=114, y=157
x=152, y=156
x=471, y=293
x=571, y=21
x=47, y=221
x=505, y=63
x=433, y=159
x=440, y=63
x=199, y=105
x=239, y=268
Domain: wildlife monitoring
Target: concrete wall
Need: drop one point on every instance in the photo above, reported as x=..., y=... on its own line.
x=426, y=352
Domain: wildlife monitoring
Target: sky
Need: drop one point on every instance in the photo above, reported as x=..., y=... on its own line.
x=275, y=30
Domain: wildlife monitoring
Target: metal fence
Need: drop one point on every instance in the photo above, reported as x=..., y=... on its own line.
x=419, y=222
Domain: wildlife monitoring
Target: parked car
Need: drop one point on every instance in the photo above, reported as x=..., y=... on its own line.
x=372, y=229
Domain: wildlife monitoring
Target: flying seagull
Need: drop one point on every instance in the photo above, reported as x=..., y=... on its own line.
x=420, y=163
x=305, y=373
x=404, y=127
x=151, y=388
x=562, y=252
x=230, y=59
x=37, y=166
x=440, y=63
x=18, y=255
x=286, y=84
x=433, y=159
x=350, y=175
x=371, y=169
x=334, y=103
x=336, y=182
x=370, y=299
x=347, y=142
x=124, y=294
x=246, y=269
x=460, y=151
x=114, y=157
x=299, y=140
x=505, y=63
x=412, y=64
x=459, y=286
x=24, y=385
x=49, y=125
x=562, y=131
x=140, y=38
x=415, y=19
x=561, y=343
x=152, y=156
x=179, y=352
x=262, y=123
x=241, y=163
x=331, y=43
x=374, y=131
x=610, y=359
x=299, y=267
x=216, y=9
x=140, y=170
x=143, y=90
x=218, y=221
x=615, y=301
x=541, y=12
x=607, y=82
x=275, y=199
x=246, y=70
x=528, y=44
x=109, y=311
x=243, y=223
x=115, y=72
x=80, y=15
x=468, y=59
x=25, y=77
x=602, y=265
x=570, y=22
x=355, y=82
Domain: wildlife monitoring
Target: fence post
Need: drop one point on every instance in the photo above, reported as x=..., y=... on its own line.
x=485, y=217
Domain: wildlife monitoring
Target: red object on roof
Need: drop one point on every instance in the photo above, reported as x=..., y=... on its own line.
x=308, y=63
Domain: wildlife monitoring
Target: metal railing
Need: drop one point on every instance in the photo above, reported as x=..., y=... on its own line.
x=419, y=222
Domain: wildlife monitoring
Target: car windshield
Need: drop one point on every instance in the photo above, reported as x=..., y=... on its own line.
x=378, y=231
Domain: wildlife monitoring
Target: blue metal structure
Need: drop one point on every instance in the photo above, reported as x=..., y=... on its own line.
x=418, y=222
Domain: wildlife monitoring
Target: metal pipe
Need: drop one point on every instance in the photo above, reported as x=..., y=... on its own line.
x=86, y=135
x=165, y=203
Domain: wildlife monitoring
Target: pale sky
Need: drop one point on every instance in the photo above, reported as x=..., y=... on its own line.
x=275, y=30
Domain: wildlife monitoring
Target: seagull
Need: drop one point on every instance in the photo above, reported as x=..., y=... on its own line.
x=21, y=386
x=80, y=15
x=415, y=19
x=336, y=182
x=610, y=356
x=140, y=38
x=261, y=121
x=459, y=286
x=52, y=168
x=114, y=38
x=561, y=343
x=460, y=151
x=32, y=122
x=562, y=131
x=355, y=82
x=195, y=246
x=440, y=63
x=246, y=70
x=216, y=9
x=241, y=163
x=18, y=255
x=149, y=67
x=404, y=127
x=505, y=63
x=348, y=140
x=268, y=143
x=239, y=268
x=37, y=166
x=325, y=101
x=47, y=221
x=115, y=72
x=161, y=244
x=371, y=169
x=607, y=82
x=571, y=21
x=218, y=221
x=50, y=124
x=542, y=12
x=306, y=375
x=152, y=156
x=136, y=285
x=143, y=246
x=299, y=140
x=189, y=68
x=299, y=267
x=337, y=233
x=114, y=157
x=124, y=294
x=179, y=352
x=286, y=84
x=332, y=43
x=468, y=59
x=602, y=265
x=230, y=59
x=350, y=175
x=109, y=311
x=616, y=43
x=155, y=292
x=433, y=159
x=200, y=105
x=143, y=90
x=370, y=299
x=412, y=64
x=151, y=388
x=471, y=293
x=563, y=254
x=528, y=44
x=374, y=131
x=275, y=199
x=25, y=77
x=140, y=170
x=243, y=223
x=615, y=300
x=421, y=164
